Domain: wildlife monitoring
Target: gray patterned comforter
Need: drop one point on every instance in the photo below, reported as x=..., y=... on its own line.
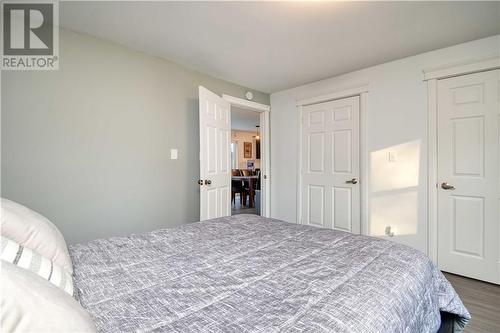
x=250, y=274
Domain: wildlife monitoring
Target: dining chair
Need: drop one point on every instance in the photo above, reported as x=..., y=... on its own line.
x=246, y=172
x=238, y=187
x=257, y=183
x=246, y=184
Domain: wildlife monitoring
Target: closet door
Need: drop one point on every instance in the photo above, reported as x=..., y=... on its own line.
x=330, y=165
x=468, y=174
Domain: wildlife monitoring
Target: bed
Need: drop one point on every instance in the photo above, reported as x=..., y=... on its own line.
x=246, y=273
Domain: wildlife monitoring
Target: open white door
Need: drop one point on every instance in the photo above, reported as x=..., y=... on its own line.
x=215, y=159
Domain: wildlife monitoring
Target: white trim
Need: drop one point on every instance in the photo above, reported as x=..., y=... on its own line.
x=243, y=103
x=364, y=166
x=432, y=159
x=298, y=205
x=265, y=147
x=364, y=207
x=350, y=92
x=432, y=78
x=469, y=67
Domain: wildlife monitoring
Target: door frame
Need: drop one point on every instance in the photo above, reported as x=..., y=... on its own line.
x=265, y=169
x=431, y=76
x=361, y=91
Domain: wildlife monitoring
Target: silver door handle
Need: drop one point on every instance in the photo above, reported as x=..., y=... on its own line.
x=208, y=182
x=352, y=181
x=446, y=186
x=200, y=182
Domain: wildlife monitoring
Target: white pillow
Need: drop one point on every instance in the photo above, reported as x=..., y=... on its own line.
x=32, y=304
x=23, y=257
x=34, y=231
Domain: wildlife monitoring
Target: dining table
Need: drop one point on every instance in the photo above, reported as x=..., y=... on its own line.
x=250, y=180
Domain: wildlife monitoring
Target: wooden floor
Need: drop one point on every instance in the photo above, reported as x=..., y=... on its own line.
x=238, y=208
x=482, y=299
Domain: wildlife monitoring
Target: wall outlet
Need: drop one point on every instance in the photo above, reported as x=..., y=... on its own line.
x=389, y=231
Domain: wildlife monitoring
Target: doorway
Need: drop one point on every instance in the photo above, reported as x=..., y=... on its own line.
x=216, y=160
x=245, y=162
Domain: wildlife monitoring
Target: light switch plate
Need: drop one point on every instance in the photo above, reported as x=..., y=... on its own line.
x=393, y=156
x=173, y=154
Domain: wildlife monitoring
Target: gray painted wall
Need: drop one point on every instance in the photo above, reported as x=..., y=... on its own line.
x=88, y=146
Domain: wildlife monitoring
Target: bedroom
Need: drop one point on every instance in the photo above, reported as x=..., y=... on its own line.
x=110, y=143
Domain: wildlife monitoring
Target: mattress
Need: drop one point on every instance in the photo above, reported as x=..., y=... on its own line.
x=246, y=273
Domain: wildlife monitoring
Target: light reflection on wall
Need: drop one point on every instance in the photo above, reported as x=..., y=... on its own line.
x=394, y=189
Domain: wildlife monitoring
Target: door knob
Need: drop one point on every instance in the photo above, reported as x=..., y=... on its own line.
x=446, y=186
x=208, y=182
x=200, y=182
x=352, y=181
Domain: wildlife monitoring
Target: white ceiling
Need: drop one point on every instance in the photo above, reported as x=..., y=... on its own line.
x=271, y=46
x=244, y=120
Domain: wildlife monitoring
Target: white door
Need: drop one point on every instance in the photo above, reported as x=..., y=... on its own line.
x=330, y=165
x=265, y=165
x=215, y=157
x=468, y=175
